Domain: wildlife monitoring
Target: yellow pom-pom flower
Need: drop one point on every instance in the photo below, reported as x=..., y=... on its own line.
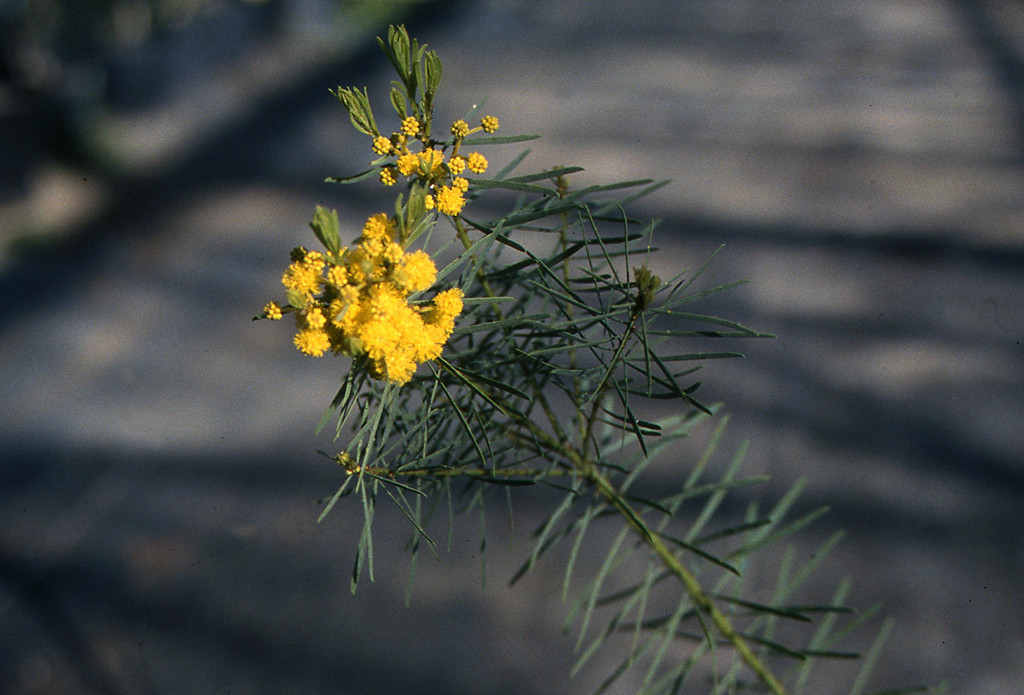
x=314, y=260
x=460, y=129
x=272, y=311
x=337, y=275
x=301, y=278
x=447, y=305
x=417, y=272
x=449, y=201
x=312, y=341
x=378, y=226
x=407, y=164
x=314, y=318
x=489, y=124
x=387, y=176
x=410, y=126
x=369, y=249
x=355, y=301
x=477, y=163
x=457, y=164
x=381, y=145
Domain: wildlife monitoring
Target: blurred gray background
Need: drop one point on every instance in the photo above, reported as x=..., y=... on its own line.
x=863, y=162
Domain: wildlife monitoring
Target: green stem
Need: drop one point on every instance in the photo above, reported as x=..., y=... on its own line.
x=579, y=461
x=693, y=588
x=589, y=471
x=524, y=473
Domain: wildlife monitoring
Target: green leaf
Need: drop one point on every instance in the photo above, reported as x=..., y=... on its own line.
x=434, y=71
x=546, y=536
x=732, y=530
x=513, y=186
x=581, y=526
x=781, y=611
x=689, y=547
x=623, y=202
x=295, y=298
x=352, y=179
x=415, y=218
x=514, y=162
x=334, y=499
x=364, y=553
x=548, y=175
x=868, y=665
x=494, y=383
x=358, y=106
x=690, y=356
x=325, y=226
x=484, y=140
x=399, y=102
x=397, y=50
x=590, y=190
x=786, y=588
x=611, y=561
x=511, y=322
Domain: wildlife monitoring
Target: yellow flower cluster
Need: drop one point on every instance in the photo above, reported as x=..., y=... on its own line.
x=446, y=190
x=489, y=124
x=356, y=303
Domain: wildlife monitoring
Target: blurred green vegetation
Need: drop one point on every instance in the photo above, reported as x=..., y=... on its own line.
x=81, y=80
